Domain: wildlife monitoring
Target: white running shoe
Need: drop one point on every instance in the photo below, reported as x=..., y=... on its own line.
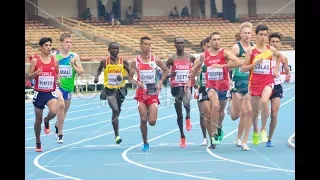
x=205, y=142
x=245, y=147
x=60, y=140
x=238, y=143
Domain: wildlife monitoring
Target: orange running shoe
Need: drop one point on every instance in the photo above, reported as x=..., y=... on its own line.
x=46, y=127
x=188, y=124
x=183, y=143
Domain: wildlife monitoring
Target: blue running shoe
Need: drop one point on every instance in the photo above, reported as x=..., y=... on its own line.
x=145, y=147
x=269, y=144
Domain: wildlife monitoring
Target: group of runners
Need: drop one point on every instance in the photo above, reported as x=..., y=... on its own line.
x=248, y=75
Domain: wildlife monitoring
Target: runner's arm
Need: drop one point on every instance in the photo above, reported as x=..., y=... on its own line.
x=235, y=51
x=196, y=66
x=278, y=55
x=246, y=65
x=232, y=60
x=131, y=73
x=128, y=77
x=76, y=65
x=286, y=65
x=57, y=69
x=164, y=68
x=99, y=70
x=169, y=64
x=32, y=73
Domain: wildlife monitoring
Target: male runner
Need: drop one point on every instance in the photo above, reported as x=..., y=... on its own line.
x=200, y=90
x=217, y=61
x=277, y=93
x=45, y=70
x=114, y=87
x=148, y=86
x=261, y=78
x=69, y=65
x=240, y=105
x=181, y=64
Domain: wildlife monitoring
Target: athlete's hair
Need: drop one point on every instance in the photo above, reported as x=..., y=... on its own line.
x=261, y=27
x=245, y=25
x=275, y=35
x=175, y=39
x=203, y=42
x=237, y=36
x=112, y=43
x=144, y=38
x=64, y=36
x=214, y=33
x=43, y=40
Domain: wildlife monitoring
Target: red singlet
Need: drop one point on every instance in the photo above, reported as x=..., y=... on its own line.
x=46, y=82
x=217, y=78
x=261, y=74
x=182, y=67
x=146, y=73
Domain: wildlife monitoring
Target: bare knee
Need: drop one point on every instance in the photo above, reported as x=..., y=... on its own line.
x=274, y=114
x=264, y=101
x=61, y=106
x=152, y=122
x=216, y=107
x=143, y=121
x=38, y=121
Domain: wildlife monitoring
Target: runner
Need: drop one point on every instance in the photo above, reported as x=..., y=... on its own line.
x=200, y=90
x=181, y=64
x=115, y=72
x=45, y=70
x=261, y=78
x=217, y=60
x=69, y=65
x=241, y=106
x=148, y=86
x=277, y=93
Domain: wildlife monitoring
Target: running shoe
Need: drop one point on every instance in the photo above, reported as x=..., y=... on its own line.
x=220, y=134
x=269, y=143
x=183, y=143
x=255, y=138
x=188, y=124
x=204, y=142
x=263, y=136
x=145, y=147
x=118, y=140
x=46, y=127
x=215, y=139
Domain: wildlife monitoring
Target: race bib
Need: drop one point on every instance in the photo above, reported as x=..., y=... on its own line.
x=112, y=79
x=215, y=73
x=182, y=76
x=147, y=76
x=45, y=82
x=65, y=71
x=263, y=68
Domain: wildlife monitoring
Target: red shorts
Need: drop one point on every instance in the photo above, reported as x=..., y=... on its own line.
x=146, y=99
x=256, y=90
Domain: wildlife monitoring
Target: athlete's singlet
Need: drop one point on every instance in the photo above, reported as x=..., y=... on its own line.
x=236, y=73
x=277, y=80
x=67, y=73
x=216, y=78
x=46, y=81
x=261, y=74
x=182, y=67
x=146, y=73
x=111, y=72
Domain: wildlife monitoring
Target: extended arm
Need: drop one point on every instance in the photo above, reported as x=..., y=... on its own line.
x=232, y=60
x=278, y=55
x=32, y=73
x=99, y=70
x=197, y=66
x=164, y=68
x=76, y=65
x=127, y=67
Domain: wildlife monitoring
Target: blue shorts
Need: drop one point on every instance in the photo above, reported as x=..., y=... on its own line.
x=221, y=94
x=40, y=99
x=66, y=94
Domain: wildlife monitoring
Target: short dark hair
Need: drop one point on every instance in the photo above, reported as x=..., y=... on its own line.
x=175, y=39
x=275, y=35
x=64, y=36
x=206, y=40
x=214, y=33
x=43, y=40
x=144, y=38
x=112, y=43
x=261, y=27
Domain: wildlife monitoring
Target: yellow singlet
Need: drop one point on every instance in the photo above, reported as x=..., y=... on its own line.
x=111, y=72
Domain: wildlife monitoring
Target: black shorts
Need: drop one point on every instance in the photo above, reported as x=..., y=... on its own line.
x=241, y=86
x=277, y=92
x=40, y=99
x=203, y=94
x=120, y=93
x=177, y=92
